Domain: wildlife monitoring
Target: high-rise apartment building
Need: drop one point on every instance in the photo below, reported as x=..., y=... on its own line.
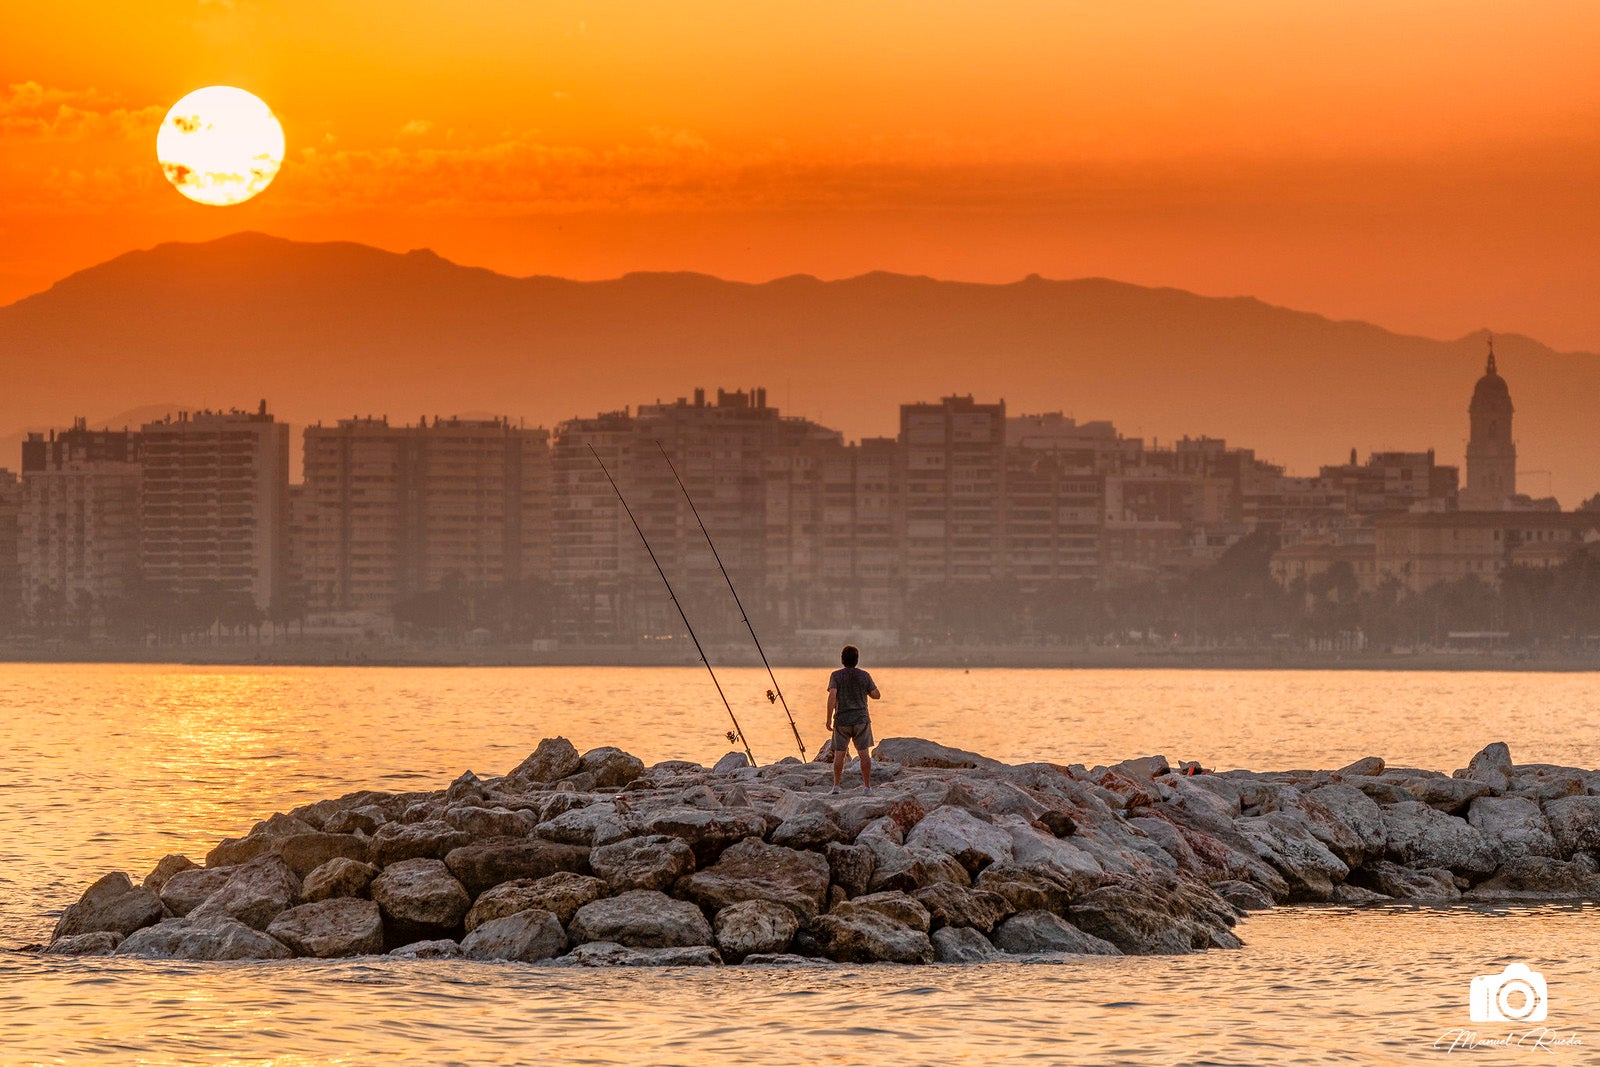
x=393, y=511
x=952, y=491
x=733, y=453
x=214, y=504
x=78, y=525
x=590, y=536
x=10, y=567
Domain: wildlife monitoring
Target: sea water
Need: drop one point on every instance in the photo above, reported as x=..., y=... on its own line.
x=108, y=767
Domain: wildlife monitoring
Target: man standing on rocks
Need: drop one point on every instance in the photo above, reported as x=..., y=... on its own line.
x=848, y=690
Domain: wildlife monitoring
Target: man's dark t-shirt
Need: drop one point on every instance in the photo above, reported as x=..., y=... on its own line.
x=853, y=684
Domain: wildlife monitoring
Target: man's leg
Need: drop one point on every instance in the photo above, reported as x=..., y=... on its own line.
x=839, y=755
x=866, y=768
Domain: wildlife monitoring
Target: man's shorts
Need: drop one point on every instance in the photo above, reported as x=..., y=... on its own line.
x=860, y=733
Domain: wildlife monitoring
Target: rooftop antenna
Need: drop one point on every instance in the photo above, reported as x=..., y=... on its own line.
x=738, y=732
x=776, y=692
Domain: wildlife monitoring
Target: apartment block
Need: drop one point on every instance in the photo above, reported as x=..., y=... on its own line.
x=10, y=566
x=77, y=524
x=952, y=491
x=214, y=493
x=389, y=512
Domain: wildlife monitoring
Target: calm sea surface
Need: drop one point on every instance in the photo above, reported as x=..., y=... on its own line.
x=110, y=767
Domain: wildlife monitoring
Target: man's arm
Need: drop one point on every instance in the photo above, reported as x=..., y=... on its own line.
x=833, y=704
x=875, y=695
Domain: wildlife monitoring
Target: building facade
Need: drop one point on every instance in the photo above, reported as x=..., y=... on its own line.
x=214, y=503
x=78, y=525
x=10, y=563
x=390, y=512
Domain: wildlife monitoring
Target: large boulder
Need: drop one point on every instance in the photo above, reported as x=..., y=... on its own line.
x=611, y=768
x=707, y=833
x=877, y=928
x=164, y=869
x=754, y=926
x=850, y=867
x=304, y=853
x=642, y=918
x=1512, y=827
x=421, y=898
x=553, y=760
x=1150, y=919
x=112, y=904
x=213, y=939
x=1285, y=840
x=958, y=905
x=1245, y=896
x=561, y=894
x=1574, y=824
x=487, y=822
x=504, y=859
x=432, y=839
x=1035, y=888
x=731, y=762
x=439, y=949
x=528, y=936
x=1031, y=932
x=1032, y=847
x=755, y=870
x=96, y=943
x=255, y=893
x=328, y=929
x=1354, y=809
x=962, y=944
x=955, y=831
x=1403, y=883
x=1537, y=878
x=1450, y=795
x=1492, y=766
x=917, y=752
x=187, y=890
x=339, y=877
x=263, y=837
x=1543, y=782
x=1420, y=837
x=591, y=824
x=656, y=861
x=809, y=830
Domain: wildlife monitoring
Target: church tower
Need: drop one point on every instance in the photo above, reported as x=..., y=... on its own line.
x=1491, y=453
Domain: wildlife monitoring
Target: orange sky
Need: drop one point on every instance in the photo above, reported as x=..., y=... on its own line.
x=1431, y=166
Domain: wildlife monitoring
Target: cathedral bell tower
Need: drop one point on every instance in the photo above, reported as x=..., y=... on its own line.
x=1491, y=453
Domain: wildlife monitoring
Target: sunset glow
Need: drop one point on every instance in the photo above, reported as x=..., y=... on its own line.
x=1430, y=167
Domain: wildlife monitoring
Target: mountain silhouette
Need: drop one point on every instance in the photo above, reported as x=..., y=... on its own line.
x=330, y=330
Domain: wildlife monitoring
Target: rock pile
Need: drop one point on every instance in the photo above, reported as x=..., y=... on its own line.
x=596, y=859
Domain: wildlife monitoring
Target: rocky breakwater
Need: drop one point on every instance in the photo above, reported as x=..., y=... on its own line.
x=596, y=859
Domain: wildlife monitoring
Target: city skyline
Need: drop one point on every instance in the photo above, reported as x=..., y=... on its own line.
x=400, y=521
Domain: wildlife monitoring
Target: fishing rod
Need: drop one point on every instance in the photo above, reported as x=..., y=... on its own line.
x=737, y=730
x=777, y=689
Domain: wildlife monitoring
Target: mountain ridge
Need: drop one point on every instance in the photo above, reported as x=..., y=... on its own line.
x=317, y=326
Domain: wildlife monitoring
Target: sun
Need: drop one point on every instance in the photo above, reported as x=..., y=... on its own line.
x=220, y=145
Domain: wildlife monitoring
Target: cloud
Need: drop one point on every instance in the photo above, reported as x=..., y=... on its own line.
x=416, y=127
x=28, y=109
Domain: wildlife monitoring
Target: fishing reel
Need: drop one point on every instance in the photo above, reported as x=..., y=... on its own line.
x=772, y=698
x=732, y=737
